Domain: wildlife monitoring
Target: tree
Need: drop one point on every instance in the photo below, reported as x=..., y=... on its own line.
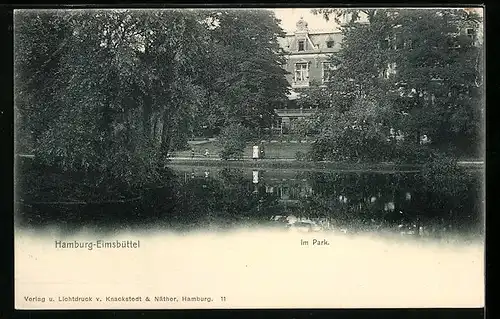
x=120, y=85
x=440, y=70
x=40, y=42
x=315, y=97
x=357, y=134
x=233, y=139
x=113, y=91
x=417, y=62
x=244, y=80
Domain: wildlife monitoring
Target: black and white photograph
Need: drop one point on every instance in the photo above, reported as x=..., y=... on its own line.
x=214, y=158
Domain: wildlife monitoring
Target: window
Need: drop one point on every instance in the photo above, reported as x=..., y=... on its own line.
x=327, y=71
x=301, y=72
x=302, y=45
x=471, y=33
x=330, y=43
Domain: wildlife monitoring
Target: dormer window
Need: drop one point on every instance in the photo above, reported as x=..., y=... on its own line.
x=302, y=45
x=330, y=43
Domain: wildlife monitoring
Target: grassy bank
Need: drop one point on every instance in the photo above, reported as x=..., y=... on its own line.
x=274, y=149
x=285, y=149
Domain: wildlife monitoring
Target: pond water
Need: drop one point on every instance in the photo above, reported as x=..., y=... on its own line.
x=221, y=198
x=311, y=238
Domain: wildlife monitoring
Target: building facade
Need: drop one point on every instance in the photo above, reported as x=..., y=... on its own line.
x=307, y=61
x=308, y=53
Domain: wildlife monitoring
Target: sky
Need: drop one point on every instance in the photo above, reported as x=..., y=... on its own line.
x=290, y=16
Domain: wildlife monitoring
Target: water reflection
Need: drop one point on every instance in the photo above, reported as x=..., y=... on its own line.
x=198, y=197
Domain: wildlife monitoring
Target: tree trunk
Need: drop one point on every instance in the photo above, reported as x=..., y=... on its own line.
x=106, y=115
x=166, y=135
x=155, y=130
x=146, y=115
x=128, y=131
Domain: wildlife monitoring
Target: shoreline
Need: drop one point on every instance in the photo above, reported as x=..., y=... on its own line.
x=291, y=163
x=310, y=165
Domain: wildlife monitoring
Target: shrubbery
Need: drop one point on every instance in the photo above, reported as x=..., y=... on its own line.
x=363, y=134
x=232, y=140
x=411, y=153
x=370, y=150
x=350, y=145
x=302, y=156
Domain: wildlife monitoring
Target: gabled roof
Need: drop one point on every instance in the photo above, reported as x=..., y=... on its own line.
x=289, y=43
x=316, y=31
x=317, y=39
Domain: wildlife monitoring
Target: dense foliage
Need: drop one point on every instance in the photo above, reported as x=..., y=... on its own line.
x=423, y=66
x=233, y=139
x=114, y=91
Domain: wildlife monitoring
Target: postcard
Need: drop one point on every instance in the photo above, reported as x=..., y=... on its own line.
x=215, y=158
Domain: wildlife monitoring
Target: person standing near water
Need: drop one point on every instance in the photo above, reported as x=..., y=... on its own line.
x=255, y=152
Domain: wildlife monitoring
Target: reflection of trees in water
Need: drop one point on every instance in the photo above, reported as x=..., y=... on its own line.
x=186, y=199
x=353, y=198
x=395, y=199
x=452, y=198
x=230, y=196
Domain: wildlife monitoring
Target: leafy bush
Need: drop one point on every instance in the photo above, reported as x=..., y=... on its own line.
x=301, y=156
x=358, y=134
x=412, y=153
x=232, y=140
x=352, y=144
